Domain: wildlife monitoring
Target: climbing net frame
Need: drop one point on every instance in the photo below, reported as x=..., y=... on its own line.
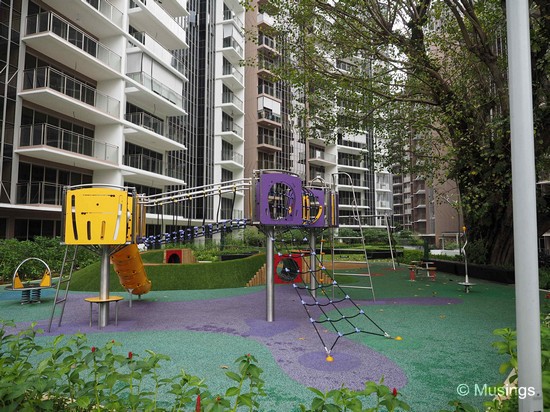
x=325, y=302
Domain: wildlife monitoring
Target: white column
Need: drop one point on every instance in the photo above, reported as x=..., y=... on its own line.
x=525, y=211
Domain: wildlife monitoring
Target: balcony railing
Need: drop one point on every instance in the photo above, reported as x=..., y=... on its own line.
x=144, y=162
x=270, y=140
x=42, y=134
x=36, y=193
x=266, y=164
x=318, y=154
x=51, y=22
x=269, y=90
x=345, y=161
x=157, y=87
x=268, y=115
x=354, y=182
x=229, y=97
x=238, y=130
x=107, y=10
x=350, y=143
x=71, y=87
x=231, y=42
x=264, y=40
x=165, y=55
x=265, y=64
x=229, y=70
x=230, y=15
x=230, y=155
x=146, y=121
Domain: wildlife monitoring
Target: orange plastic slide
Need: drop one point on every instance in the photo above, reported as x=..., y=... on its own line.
x=130, y=270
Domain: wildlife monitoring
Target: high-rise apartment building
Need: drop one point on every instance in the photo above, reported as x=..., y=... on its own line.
x=429, y=210
x=268, y=101
x=138, y=93
x=275, y=137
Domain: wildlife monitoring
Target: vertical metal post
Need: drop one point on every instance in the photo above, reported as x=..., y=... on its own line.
x=269, y=278
x=525, y=211
x=104, y=286
x=312, y=263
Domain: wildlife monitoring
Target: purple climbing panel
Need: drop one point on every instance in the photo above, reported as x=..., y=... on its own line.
x=279, y=199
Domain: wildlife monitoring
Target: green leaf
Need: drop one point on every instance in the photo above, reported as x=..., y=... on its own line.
x=232, y=391
x=233, y=376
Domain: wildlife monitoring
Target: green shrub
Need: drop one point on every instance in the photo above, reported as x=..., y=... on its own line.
x=50, y=250
x=376, y=236
x=215, y=275
x=544, y=278
x=407, y=238
x=253, y=237
x=346, y=232
x=477, y=251
x=412, y=254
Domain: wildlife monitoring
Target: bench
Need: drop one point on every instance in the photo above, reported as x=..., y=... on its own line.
x=97, y=300
x=417, y=267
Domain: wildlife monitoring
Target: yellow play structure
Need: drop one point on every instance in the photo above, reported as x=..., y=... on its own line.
x=108, y=216
x=111, y=219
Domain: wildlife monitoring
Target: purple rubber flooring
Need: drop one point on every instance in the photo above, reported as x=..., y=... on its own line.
x=291, y=338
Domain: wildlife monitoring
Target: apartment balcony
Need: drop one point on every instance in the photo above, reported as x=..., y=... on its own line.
x=231, y=104
x=52, y=143
x=48, y=87
x=320, y=158
x=39, y=193
x=383, y=205
x=230, y=16
x=144, y=163
x=151, y=133
x=267, y=68
x=267, y=45
x=351, y=163
x=270, y=90
x=269, y=144
x=268, y=118
x=351, y=147
x=97, y=17
x=175, y=7
x=383, y=188
x=264, y=164
x=232, y=50
x=264, y=21
x=55, y=37
x=354, y=182
x=147, y=43
x=232, y=77
x=232, y=133
x=153, y=96
x=151, y=17
x=232, y=160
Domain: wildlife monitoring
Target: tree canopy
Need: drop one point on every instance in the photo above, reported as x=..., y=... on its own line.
x=430, y=78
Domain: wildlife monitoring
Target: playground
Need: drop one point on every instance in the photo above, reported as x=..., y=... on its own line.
x=446, y=336
x=310, y=323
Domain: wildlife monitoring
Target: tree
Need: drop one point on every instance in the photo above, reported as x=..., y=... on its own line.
x=430, y=76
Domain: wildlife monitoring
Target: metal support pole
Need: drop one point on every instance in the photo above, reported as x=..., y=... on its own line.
x=269, y=278
x=312, y=263
x=104, y=286
x=525, y=211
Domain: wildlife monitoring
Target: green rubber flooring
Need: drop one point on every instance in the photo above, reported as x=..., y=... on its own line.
x=442, y=346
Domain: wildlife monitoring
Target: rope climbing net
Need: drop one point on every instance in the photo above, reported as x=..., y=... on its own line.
x=327, y=305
